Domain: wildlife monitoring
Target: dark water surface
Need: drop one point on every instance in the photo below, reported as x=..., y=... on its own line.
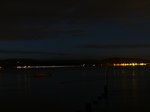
x=128, y=88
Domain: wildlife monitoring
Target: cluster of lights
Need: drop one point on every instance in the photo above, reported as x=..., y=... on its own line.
x=128, y=64
x=23, y=66
x=85, y=65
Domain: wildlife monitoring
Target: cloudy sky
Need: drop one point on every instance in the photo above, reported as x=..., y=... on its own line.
x=74, y=29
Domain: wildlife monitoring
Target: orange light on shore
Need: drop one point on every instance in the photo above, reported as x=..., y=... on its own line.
x=128, y=64
x=19, y=67
x=23, y=66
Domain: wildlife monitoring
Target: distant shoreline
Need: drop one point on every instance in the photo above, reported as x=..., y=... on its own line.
x=14, y=63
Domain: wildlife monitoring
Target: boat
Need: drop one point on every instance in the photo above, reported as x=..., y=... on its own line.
x=39, y=74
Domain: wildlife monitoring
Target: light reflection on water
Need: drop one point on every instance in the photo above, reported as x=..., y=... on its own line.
x=19, y=90
x=130, y=86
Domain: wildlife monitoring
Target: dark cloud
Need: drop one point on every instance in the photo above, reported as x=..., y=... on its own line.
x=114, y=46
x=29, y=52
x=32, y=19
x=72, y=31
x=39, y=31
x=136, y=27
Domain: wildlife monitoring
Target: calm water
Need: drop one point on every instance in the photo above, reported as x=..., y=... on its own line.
x=128, y=89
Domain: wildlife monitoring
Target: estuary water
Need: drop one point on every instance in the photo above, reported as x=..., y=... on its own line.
x=68, y=89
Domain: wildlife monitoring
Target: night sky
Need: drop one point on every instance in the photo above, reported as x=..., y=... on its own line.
x=74, y=29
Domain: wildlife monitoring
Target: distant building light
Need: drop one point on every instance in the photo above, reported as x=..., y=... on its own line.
x=129, y=64
x=93, y=64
